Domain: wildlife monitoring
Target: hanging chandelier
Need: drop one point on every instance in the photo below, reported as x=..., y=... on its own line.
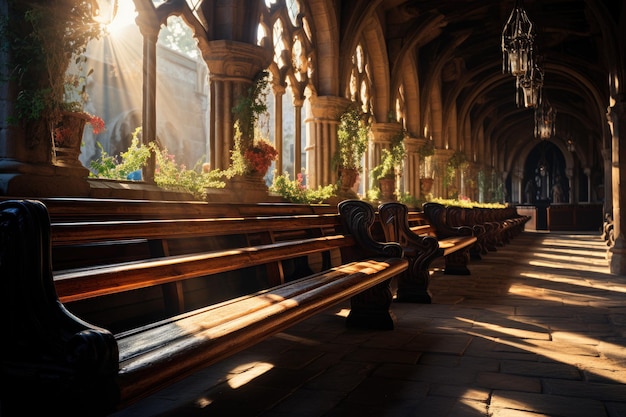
x=518, y=42
x=545, y=120
x=529, y=88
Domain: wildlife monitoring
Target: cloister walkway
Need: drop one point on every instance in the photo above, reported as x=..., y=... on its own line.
x=538, y=329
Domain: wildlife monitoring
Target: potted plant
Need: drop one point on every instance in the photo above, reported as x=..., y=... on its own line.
x=253, y=154
x=68, y=132
x=426, y=151
x=352, y=138
x=390, y=165
x=43, y=37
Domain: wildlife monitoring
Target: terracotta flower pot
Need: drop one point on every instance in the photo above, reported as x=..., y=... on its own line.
x=387, y=187
x=68, y=137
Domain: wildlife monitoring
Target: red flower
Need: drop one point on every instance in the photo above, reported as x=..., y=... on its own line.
x=63, y=133
x=97, y=124
x=260, y=156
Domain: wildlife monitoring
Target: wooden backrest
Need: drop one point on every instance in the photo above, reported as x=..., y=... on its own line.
x=230, y=255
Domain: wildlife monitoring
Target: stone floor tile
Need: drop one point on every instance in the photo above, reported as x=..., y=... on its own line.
x=510, y=340
x=343, y=377
x=580, y=389
x=453, y=344
x=547, y=404
x=501, y=381
x=376, y=355
x=541, y=370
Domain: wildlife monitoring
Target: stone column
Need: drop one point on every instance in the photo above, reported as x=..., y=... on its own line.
x=149, y=28
x=298, y=103
x=617, y=254
x=587, y=172
x=279, y=91
x=382, y=134
x=441, y=158
x=322, y=145
x=517, y=187
x=232, y=68
x=608, y=190
x=412, y=166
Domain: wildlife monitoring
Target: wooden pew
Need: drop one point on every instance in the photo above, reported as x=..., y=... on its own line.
x=456, y=241
x=76, y=368
x=422, y=243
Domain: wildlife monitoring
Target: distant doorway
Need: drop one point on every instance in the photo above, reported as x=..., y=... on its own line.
x=544, y=176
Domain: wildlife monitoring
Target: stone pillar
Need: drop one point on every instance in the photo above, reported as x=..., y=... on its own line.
x=298, y=103
x=608, y=189
x=517, y=187
x=382, y=134
x=322, y=145
x=279, y=91
x=412, y=165
x=617, y=254
x=149, y=28
x=232, y=68
x=503, y=176
x=441, y=158
x=587, y=172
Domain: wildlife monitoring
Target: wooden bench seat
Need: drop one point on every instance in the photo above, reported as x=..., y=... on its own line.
x=76, y=368
x=421, y=246
x=459, y=239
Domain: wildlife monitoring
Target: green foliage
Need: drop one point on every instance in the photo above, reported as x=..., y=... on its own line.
x=410, y=200
x=249, y=108
x=108, y=166
x=427, y=149
x=466, y=203
x=295, y=192
x=457, y=160
x=178, y=36
x=386, y=168
x=168, y=174
x=391, y=159
x=373, y=194
x=42, y=37
x=352, y=138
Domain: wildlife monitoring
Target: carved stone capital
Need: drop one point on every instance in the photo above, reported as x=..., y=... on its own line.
x=328, y=108
x=384, y=132
x=235, y=61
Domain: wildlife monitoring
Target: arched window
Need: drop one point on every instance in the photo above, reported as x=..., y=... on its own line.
x=291, y=71
x=360, y=86
x=115, y=87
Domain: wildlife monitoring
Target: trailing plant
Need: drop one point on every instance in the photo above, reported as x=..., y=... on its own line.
x=296, y=192
x=41, y=38
x=458, y=160
x=386, y=168
x=352, y=138
x=427, y=149
x=248, y=109
x=391, y=159
x=251, y=153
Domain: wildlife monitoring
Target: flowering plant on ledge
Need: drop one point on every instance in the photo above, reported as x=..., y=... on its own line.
x=66, y=129
x=259, y=156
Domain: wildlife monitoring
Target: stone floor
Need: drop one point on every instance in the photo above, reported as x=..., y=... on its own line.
x=538, y=329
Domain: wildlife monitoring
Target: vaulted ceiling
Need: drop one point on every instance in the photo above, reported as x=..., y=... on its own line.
x=574, y=44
